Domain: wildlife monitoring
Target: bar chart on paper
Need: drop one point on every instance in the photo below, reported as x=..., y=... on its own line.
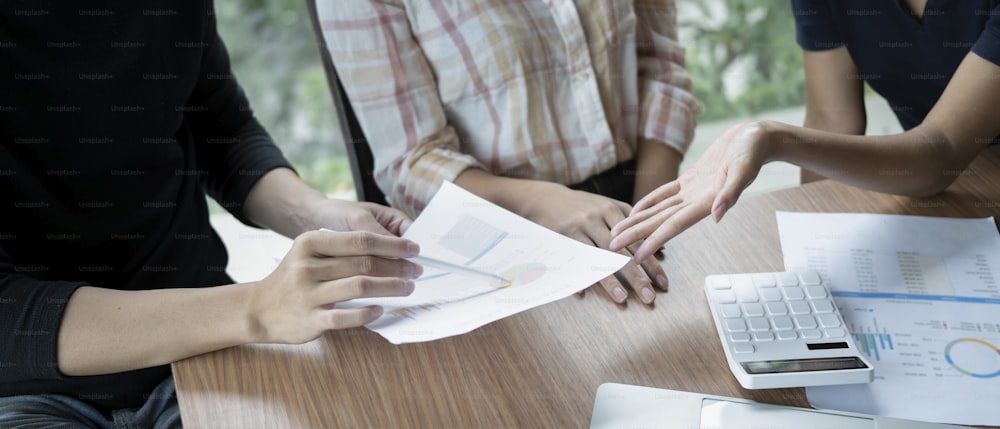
x=909, y=341
x=466, y=232
x=921, y=299
x=477, y=244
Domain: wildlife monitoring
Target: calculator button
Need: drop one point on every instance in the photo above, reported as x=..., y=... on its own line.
x=746, y=294
x=719, y=282
x=743, y=348
x=730, y=311
x=723, y=296
x=811, y=334
x=809, y=278
x=753, y=309
x=770, y=294
x=736, y=325
x=799, y=307
x=742, y=282
x=786, y=335
x=740, y=337
x=763, y=336
x=805, y=321
x=782, y=323
x=829, y=320
x=776, y=308
x=814, y=292
x=823, y=306
x=788, y=279
x=758, y=324
x=835, y=333
x=793, y=293
x=763, y=280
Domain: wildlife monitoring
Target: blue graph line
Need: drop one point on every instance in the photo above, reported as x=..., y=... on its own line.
x=488, y=248
x=917, y=297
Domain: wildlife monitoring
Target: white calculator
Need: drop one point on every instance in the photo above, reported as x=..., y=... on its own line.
x=783, y=330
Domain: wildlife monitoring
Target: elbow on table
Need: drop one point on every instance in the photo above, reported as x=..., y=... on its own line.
x=930, y=188
x=935, y=180
x=939, y=161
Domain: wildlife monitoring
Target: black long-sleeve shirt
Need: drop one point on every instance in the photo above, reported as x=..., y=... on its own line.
x=114, y=122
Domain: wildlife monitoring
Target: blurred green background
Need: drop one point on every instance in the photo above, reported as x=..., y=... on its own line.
x=741, y=55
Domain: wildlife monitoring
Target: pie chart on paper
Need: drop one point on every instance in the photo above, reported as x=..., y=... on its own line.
x=524, y=273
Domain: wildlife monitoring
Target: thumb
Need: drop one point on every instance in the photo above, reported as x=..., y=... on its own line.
x=732, y=187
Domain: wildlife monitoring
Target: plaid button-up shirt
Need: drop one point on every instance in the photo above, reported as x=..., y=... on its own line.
x=555, y=90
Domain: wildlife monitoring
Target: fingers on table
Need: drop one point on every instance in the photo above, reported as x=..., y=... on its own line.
x=638, y=281
x=653, y=268
x=614, y=288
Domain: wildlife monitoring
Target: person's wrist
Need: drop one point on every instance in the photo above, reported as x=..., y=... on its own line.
x=254, y=330
x=524, y=198
x=314, y=212
x=774, y=141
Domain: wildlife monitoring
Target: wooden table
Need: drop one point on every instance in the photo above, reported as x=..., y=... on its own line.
x=539, y=368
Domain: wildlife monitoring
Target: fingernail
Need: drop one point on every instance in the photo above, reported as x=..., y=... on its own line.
x=647, y=295
x=719, y=212
x=408, y=287
x=412, y=249
x=378, y=311
x=418, y=270
x=619, y=294
x=661, y=281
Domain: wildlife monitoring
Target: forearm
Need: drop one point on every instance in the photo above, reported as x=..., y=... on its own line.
x=282, y=202
x=919, y=162
x=510, y=193
x=107, y=331
x=850, y=122
x=656, y=164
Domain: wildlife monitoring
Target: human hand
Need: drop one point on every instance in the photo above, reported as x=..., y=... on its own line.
x=712, y=185
x=297, y=302
x=341, y=215
x=588, y=218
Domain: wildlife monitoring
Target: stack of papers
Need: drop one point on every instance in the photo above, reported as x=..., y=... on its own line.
x=920, y=295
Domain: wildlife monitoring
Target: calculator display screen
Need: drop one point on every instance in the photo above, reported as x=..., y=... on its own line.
x=802, y=365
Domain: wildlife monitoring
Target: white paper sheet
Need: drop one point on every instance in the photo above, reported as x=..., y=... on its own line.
x=921, y=298
x=461, y=228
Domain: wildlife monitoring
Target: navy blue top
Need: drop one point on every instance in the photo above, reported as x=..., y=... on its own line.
x=906, y=59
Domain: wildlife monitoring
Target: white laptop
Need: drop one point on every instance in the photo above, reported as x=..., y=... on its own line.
x=625, y=406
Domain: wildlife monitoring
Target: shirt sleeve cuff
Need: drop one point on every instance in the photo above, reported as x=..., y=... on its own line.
x=37, y=334
x=669, y=118
x=418, y=184
x=988, y=44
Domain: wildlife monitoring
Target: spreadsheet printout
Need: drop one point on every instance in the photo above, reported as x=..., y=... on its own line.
x=920, y=297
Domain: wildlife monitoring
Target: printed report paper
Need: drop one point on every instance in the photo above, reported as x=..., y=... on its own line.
x=921, y=299
x=461, y=228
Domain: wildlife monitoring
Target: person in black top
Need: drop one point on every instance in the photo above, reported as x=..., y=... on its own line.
x=115, y=121
x=937, y=62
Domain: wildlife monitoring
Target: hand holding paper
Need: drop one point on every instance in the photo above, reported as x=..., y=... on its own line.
x=460, y=228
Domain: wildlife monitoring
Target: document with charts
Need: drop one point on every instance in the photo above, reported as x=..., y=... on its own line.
x=461, y=228
x=920, y=296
